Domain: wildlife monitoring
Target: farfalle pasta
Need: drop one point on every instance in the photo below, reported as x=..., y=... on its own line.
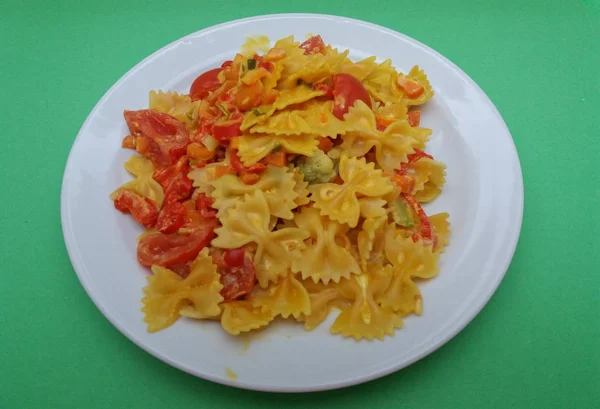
x=288, y=183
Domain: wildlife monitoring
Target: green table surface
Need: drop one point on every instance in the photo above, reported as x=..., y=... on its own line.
x=535, y=345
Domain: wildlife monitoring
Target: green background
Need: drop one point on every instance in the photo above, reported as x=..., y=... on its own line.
x=535, y=345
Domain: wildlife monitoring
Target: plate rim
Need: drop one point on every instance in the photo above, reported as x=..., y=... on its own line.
x=478, y=304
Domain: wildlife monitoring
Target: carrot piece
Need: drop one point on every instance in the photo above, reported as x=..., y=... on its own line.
x=234, y=143
x=382, y=122
x=275, y=54
x=198, y=151
x=414, y=118
x=412, y=89
x=325, y=144
x=276, y=159
x=248, y=178
x=128, y=142
x=404, y=182
x=222, y=170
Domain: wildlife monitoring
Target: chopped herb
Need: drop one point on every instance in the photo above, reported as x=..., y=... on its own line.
x=276, y=148
x=223, y=109
x=251, y=63
x=257, y=112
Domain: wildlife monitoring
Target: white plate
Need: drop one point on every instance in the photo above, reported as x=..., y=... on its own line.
x=483, y=194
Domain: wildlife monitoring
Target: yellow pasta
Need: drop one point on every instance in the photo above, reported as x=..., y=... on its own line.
x=177, y=105
x=167, y=293
x=242, y=316
x=340, y=202
x=276, y=183
x=287, y=297
x=392, y=146
x=143, y=184
x=308, y=172
x=366, y=318
x=323, y=259
x=276, y=250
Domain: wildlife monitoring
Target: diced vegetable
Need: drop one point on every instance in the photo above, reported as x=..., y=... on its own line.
x=402, y=213
x=317, y=169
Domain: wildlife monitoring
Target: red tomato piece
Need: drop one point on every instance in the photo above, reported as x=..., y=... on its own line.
x=347, y=89
x=325, y=88
x=414, y=118
x=204, y=206
x=227, y=64
x=313, y=45
x=267, y=65
x=171, y=217
x=172, y=249
x=141, y=208
x=180, y=188
x=205, y=83
x=167, y=137
x=238, y=166
x=413, y=157
x=237, y=273
x=234, y=257
x=224, y=130
x=425, y=228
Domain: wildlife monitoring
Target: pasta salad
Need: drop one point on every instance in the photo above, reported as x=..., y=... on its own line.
x=287, y=183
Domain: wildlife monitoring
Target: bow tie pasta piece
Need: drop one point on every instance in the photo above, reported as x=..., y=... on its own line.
x=370, y=241
x=315, y=68
x=294, y=55
x=418, y=76
x=392, y=146
x=287, y=297
x=430, y=177
x=301, y=188
x=360, y=69
x=372, y=207
x=255, y=45
x=366, y=318
x=381, y=83
x=390, y=113
x=285, y=98
x=323, y=298
x=202, y=178
x=241, y=316
x=249, y=222
x=276, y=183
x=410, y=260
x=167, y=293
x=323, y=259
x=179, y=106
x=340, y=202
x=314, y=118
x=255, y=147
x=144, y=184
x=441, y=228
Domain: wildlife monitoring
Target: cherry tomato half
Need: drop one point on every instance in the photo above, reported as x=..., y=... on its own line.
x=141, y=208
x=347, y=89
x=171, y=218
x=172, y=249
x=313, y=45
x=237, y=273
x=167, y=138
x=205, y=83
